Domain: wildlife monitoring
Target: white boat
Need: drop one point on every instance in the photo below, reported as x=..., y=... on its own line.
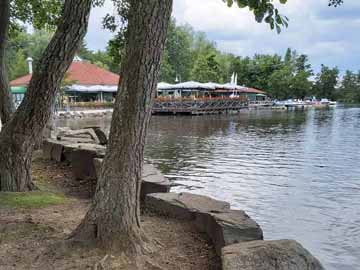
x=324, y=101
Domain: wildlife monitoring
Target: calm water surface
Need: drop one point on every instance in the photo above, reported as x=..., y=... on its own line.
x=296, y=173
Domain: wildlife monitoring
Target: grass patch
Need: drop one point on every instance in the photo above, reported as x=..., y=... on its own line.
x=35, y=199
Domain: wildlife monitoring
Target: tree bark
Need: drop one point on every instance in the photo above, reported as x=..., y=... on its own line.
x=113, y=220
x=18, y=137
x=6, y=104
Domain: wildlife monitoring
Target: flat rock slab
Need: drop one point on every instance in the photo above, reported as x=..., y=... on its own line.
x=152, y=179
x=184, y=205
x=268, y=255
x=215, y=218
x=62, y=150
x=77, y=139
x=72, y=135
x=69, y=149
x=229, y=227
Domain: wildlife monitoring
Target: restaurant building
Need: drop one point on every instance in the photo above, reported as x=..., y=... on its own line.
x=84, y=82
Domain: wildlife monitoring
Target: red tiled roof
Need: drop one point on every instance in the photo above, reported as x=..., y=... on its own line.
x=253, y=90
x=22, y=81
x=81, y=72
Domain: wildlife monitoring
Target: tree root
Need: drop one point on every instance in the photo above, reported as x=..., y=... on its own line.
x=101, y=264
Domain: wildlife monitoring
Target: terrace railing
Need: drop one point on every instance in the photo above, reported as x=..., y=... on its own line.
x=191, y=105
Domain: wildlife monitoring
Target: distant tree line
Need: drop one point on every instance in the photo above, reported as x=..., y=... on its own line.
x=189, y=55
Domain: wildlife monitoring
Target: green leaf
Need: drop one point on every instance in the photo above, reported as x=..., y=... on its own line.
x=242, y=3
x=278, y=29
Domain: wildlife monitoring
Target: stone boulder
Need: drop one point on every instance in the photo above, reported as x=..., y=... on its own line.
x=53, y=149
x=268, y=255
x=82, y=160
x=101, y=136
x=228, y=227
x=82, y=164
x=103, y=140
x=184, y=205
x=80, y=139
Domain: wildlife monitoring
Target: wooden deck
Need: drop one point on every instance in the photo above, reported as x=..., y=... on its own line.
x=199, y=106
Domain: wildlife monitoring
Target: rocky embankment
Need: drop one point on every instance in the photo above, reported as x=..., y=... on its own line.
x=237, y=238
x=84, y=113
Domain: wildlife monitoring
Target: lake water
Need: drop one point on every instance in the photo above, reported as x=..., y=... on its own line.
x=296, y=173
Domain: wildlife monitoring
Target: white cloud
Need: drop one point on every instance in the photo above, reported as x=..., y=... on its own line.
x=327, y=34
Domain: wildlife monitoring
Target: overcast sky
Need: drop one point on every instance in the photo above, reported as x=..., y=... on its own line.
x=330, y=36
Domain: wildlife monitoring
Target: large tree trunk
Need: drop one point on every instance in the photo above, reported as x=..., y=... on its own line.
x=18, y=137
x=113, y=220
x=6, y=104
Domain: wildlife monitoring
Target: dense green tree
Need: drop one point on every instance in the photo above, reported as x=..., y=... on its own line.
x=167, y=72
x=115, y=50
x=349, y=91
x=300, y=85
x=18, y=65
x=326, y=82
x=280, y=83
x=241, y=67
x=178, y=49
x=22, y=46
x=206, y=69
x=288, y=56
x=302, y=64
x=100, y=58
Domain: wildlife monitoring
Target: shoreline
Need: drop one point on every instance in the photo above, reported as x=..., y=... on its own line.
x=231, y=231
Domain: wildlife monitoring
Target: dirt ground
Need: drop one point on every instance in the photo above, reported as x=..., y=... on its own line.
x=35, y=237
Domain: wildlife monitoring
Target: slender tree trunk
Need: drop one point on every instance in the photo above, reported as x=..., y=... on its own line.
x=18, y=137
x=113, y=219
x=6, y=104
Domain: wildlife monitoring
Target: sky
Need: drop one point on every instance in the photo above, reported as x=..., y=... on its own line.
x=329, y=35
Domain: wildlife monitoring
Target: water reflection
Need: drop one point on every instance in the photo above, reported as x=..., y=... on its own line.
x=296, y=173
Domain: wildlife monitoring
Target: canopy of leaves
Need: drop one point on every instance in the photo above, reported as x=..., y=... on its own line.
x=38, y=13
x=263, y=10
x=335, y=3
x=41, y=14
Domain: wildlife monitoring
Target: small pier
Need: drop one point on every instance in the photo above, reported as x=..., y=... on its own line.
x=199, y=106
